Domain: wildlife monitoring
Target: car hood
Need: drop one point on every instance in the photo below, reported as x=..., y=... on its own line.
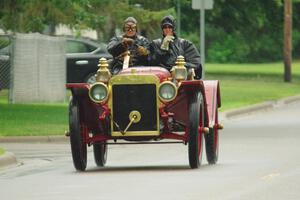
x=162, y=73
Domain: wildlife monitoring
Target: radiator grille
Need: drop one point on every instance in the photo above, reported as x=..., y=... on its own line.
x=140, y=97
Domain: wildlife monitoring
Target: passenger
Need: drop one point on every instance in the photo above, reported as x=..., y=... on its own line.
x=164, y=51
x=129, y=41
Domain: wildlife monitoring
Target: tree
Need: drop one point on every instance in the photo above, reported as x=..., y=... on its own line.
x=103, y=16
x=287, y=49
x=35, y=15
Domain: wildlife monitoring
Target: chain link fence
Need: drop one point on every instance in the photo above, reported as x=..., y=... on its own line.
x=33, y=68
x=5, y=52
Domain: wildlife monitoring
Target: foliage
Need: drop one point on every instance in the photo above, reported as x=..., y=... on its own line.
x=256, y=25
x=35, y=15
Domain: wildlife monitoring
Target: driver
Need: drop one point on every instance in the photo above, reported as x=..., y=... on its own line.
x=129, y=41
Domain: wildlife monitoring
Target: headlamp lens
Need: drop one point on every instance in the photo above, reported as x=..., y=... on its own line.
x=167, y=91
x=98, y=92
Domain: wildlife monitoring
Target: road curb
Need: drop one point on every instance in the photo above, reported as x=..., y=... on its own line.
x=259, y=107
x=248, y=109
x=7, y=159
x=34, y=139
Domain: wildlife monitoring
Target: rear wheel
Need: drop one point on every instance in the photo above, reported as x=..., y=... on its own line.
x=196, y=119
x=212, y=142
x=100, y=153
x=78, y=146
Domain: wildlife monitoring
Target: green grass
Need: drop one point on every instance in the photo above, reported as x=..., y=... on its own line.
x=32, y=119
x=2, y=151
x=247, y=84
x=241, y=85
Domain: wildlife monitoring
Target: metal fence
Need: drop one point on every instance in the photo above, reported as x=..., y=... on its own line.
x=5, y=52
x=33, y=68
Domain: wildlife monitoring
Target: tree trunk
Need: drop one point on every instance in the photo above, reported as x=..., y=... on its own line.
x=287, y=49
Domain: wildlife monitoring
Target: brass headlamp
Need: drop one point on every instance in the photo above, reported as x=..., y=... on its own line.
x=103, y=73
x=179, y=71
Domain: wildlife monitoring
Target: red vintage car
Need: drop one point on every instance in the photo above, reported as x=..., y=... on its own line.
x=144, y=105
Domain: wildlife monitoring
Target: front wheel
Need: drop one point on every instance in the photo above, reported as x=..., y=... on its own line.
x=78, y=146
x=100, y=153
x=196, y=120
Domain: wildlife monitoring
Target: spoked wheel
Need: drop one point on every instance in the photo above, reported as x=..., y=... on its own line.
x=196, y=120
x=212, y=142
x=100, y=153
x=78, y=147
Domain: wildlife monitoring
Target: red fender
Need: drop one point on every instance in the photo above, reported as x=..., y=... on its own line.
x=213, y=100
x=84, y=86
x=194, y=86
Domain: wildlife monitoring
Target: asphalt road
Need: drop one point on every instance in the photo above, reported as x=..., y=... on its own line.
x=259, y=159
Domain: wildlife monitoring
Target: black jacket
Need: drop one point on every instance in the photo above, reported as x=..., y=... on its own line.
x=178, y=47
x=115, y=48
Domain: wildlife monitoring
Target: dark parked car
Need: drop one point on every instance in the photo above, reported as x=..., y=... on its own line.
x=82, y=59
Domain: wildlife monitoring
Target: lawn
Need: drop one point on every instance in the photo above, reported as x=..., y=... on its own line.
x=32, y=119
x=247, y=84
x=241, y=85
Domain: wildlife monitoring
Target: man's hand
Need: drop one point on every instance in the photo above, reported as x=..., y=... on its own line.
x=166, y=42
x=142, y=51
x=127, y=42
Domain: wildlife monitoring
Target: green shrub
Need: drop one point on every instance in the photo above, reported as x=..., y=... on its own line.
x=232, y=48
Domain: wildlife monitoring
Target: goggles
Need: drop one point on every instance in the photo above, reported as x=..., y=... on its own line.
x=130, y=27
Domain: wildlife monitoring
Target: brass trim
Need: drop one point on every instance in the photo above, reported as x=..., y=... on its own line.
x=179, y=71
x=135, y=133
x=103, y=73
x=163, y=83
x=107, y=90
x=136, y=115
x=134, y=79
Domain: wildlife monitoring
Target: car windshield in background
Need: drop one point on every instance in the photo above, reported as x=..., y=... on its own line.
x=79, y=47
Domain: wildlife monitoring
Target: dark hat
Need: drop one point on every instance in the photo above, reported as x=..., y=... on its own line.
x=168, y=20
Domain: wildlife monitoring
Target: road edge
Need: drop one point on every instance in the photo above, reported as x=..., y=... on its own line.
x=259, y=107
x=7, y=159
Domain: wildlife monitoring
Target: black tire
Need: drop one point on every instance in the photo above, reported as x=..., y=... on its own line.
x=100, y=153
x=212, y=143
x=196, y=118
x=78, y=147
